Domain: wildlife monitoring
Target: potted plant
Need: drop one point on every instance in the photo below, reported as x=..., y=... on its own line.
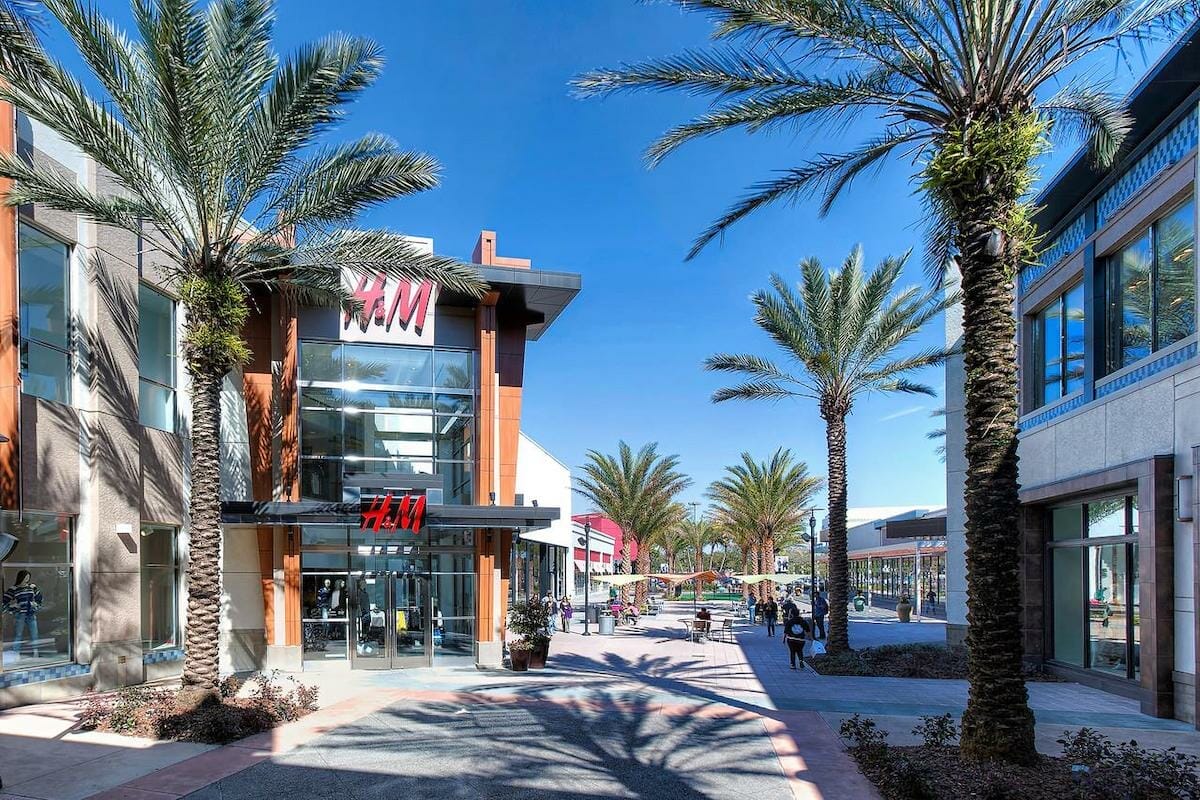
x=904, y=608
x=520, y=651
x=529, y=623
x=540, y=644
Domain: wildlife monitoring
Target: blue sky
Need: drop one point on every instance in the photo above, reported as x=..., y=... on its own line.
x=483, y=87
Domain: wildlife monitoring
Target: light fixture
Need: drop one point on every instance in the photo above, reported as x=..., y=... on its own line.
x=8, y=543
x=1185, y=498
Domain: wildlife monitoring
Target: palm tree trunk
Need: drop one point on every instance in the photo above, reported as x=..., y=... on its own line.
x=997, y=723
x=749, y=566
x=767, y=562
x=834, y=415
x=642, y=588
x=201, y=639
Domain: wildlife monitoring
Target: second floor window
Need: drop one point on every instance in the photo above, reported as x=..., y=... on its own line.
x=1058, y=347
x=45, y=275
x=1152, y=289
x=156, y=359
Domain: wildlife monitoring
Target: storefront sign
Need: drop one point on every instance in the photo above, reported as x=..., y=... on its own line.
x=391, y=513
x=393, y=311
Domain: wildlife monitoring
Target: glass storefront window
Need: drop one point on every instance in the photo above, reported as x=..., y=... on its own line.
x=1093, y=568
x=160, y=587
x=1151, y=288
x=36, y=592
x=156, y=359
x=45, y=315
x=1058, y=337
x=383, y=409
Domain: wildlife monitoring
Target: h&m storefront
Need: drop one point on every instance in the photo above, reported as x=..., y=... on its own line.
x=385, y=533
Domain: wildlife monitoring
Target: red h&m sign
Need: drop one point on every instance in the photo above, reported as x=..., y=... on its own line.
x=389, y=513
x=393, y=310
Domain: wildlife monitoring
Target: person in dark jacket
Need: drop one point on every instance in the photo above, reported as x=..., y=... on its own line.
x=769, y=610
x=795, y=631
x=819, y=610
x=22, y=601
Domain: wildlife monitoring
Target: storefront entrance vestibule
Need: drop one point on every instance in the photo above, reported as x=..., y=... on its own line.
x=402, y=601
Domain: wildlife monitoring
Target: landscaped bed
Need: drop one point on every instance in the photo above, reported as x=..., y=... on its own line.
x=236, y=710
x=1091, y=768
x=905, y=661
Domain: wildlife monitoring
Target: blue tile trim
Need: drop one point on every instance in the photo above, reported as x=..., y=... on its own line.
x=159, y=656
x=24, y=676
x=1146, y=370
x=1169, y=150
x=1067, y=242
x=1051, y=413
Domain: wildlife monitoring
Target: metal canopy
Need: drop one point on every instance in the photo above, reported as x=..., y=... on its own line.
x=312, y=512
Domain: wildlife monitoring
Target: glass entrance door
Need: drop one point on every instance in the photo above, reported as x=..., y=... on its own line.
x=390, y=620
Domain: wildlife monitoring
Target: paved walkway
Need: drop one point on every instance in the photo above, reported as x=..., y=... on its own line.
x=645, y=713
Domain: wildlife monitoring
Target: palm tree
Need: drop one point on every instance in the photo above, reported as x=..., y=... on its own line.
x=657, y=528
x=211, y=139
x=631, y=489
x=767, y=498
x=969, y=92
x=699, y=534
x=844, y=330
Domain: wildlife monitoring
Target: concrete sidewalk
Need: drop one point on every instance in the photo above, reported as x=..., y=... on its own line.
x=646, y=712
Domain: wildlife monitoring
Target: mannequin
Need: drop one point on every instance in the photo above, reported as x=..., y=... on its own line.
x=337, y=598
x=22, y=601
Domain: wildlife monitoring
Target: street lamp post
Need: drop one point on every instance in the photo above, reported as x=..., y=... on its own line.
x=696, y=581
x=587, y=576
x=812, y=565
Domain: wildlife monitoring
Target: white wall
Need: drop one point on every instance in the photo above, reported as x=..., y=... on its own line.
x=542, y=477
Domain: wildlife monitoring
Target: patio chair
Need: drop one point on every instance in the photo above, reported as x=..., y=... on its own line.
x=727, y=631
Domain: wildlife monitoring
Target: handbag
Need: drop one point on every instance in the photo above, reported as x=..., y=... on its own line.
x=818, y=647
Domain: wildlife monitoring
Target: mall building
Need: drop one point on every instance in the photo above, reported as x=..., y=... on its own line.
x=1110, y=412
x=897, y=551
x=379, y=502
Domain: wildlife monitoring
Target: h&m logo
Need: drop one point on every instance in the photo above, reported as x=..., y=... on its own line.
x=384, y=514
x=409, y=306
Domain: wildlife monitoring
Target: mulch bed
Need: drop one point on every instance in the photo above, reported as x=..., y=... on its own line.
x=937, y=773
x=905, y=661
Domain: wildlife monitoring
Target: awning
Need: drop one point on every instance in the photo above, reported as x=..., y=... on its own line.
x=680, y=577
x=778, y=577
x=619, y=580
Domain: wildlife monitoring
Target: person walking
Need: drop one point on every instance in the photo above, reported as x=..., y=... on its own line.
x=794, y=633
x=751, y=607
x=551, y=604
x=788, y=606
x=819, y=610
x=567, y=611
x=770, y=614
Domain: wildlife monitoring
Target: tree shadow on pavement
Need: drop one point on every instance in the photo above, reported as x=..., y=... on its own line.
x=609, y=746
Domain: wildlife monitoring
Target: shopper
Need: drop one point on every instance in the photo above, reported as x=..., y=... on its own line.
x=751, y=606
x=788, y=606
x=567, y=611
x=819, y=610
x=551, y=604
x=795, y=631
x=770, y=614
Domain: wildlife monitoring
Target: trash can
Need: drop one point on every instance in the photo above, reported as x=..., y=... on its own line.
x=860, y=603
x=593, y=613
x=607, y=623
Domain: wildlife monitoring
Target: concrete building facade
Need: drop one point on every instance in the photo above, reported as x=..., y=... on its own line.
x=370, y=463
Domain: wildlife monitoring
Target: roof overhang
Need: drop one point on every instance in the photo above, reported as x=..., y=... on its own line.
x=1170, y=82
x=536, y=295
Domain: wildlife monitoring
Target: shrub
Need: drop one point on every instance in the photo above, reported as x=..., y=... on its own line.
x=937, y=731
x=209, y=717
x=862, y=734
x=1131, y=771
